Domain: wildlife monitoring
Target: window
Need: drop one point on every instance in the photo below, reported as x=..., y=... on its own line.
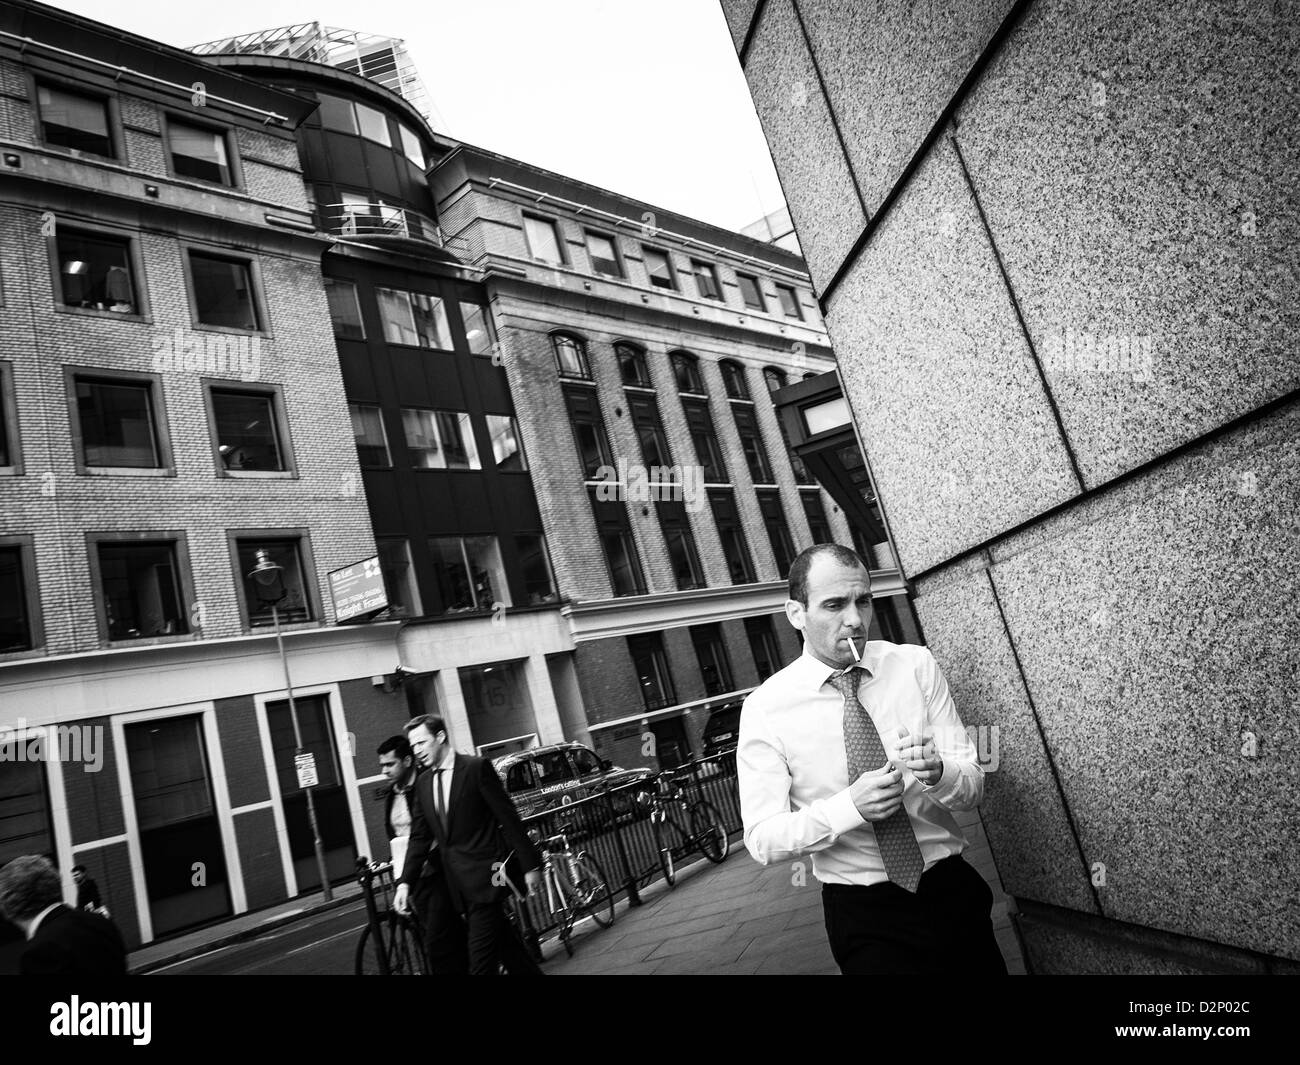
x=414, y=318
x=507, y=451
x=17, y=601
x=140, y=588
x=116, y=423
x=519, y=777
x=733, y=379
x=337, y=114
x=762, y=643
x=707, y=451
x=789, y=302
x=769, y=504
x=751, y=443
x=604, y=258
x=586, y=763
x=539, y=585
x=399, y=579
x=247, y=430
x=73, y=120
x=659, y=268
x=773, y=378
x=749, y=292
x=198, y=152
x=620, y=550
x=734, y=549
x=468, y=571
x=631, y=365
x=652, y=670
x=368, y=429
x=571, y=355
x=715, y=667
x=543, y=240
x=223, y=291
x=478, y=328
x=588, y=432
x=686, y=368
x=287, y=553
x=649, y=430
x=440, y=440
x=553, y=768
x=411, y=146
x=681, y=545
x=706, y=280
x=818, y=526
x=373, y=125
x=9, y=449
x=345, y=310
x=95, y=271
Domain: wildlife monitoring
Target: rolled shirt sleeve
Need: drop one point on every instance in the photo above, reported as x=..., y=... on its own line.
x=773, y=831
x=961, y=786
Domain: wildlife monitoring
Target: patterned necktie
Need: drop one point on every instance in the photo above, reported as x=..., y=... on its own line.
x=897, y=841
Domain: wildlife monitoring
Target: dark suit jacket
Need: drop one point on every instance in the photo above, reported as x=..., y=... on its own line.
x=75, y=943
x=482, y=827
x=389, y=794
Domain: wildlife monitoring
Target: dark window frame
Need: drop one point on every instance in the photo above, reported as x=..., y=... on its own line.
x=383, y=425
x=724, y=499
x=106, y=96
x=178, y=538
x=615, y=522
x=758, y=628
x=710, y=636
x=681, y=356
x=576, y=397
x=524, y=597
x=673, y=519
x=256, y=283
x=9, y=424
x=794, y=299
x=356, y=298
x=134, y=256
x=158, y=408
x=783, y=529
x=653, y=642
x=639, y=358
x=674, y=278
x=227, y=133
x=412, y=581
x=644, y=414
x=284, y=440
x=556, y=229
x=619, y=263
x=699, y=423
x=580, y=345
x=761, y=306
x=817, y=512
x=724, y=366
x=26, y=544
x=306, y=558
x=712, y=269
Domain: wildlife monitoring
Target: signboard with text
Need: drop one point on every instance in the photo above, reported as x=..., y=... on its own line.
x=305, y=764
x=358, y=589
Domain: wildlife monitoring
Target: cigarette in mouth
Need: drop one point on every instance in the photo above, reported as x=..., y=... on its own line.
x=854, y=648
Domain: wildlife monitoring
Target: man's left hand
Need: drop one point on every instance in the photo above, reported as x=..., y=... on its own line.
x=533, y=881
x=920, y=757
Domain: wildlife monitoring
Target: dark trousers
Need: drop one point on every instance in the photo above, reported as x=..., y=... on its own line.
x=494, y=941
x=883, y=929
x=444, y=929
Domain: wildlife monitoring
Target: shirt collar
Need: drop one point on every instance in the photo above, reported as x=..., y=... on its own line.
x=448, y=760
x=816, y=673
x=36, y=921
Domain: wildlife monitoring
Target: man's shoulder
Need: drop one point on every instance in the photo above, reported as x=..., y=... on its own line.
x=899, y=655
x=775, y=690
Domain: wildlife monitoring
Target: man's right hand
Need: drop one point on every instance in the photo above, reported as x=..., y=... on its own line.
x=878, y=794
x=402, y=900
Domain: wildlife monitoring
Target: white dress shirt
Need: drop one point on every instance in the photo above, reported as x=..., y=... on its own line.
x=793, y=769
x=39, y=919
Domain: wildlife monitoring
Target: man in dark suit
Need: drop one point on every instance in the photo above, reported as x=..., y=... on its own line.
x=461, y=805
x=61, y=941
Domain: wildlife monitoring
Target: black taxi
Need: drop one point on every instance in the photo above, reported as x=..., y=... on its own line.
x=559, y=774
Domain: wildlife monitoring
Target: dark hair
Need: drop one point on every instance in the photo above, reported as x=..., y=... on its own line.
x=803, y=563
x=78, y=868
x=398, y=745
x=432, y=722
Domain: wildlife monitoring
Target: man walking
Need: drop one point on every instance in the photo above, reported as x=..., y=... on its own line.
x=854, y=753
x=463, y=808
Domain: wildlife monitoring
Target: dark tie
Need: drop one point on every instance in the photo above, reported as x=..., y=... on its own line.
x=898, y=847
x=439, y=801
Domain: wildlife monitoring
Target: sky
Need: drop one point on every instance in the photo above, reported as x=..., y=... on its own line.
x=643, y=97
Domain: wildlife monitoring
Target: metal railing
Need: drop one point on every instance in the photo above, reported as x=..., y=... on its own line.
x=616, y=829
x=368, y=221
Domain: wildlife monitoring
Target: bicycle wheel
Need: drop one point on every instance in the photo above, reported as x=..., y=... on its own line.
x=595, y=900
x=669, y=838
x=367, y=961
x=710, y=831
x=405, y=951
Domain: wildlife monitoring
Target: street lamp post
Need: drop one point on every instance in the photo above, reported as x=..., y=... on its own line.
x=269, y=586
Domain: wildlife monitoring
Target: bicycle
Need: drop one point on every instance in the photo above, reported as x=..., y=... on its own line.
x=390, y=944
x=669, y=812
x=575, y=885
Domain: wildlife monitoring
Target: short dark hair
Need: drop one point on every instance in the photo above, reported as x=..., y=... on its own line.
x=433, y=722
x=398, y=745
x=803, y=563
x=28, y=885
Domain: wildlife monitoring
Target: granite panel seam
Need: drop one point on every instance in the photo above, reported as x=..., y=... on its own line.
x=755, y=19
x=1015, y=306
x=1227, y=428
x=1042, y=737
x=995, y=44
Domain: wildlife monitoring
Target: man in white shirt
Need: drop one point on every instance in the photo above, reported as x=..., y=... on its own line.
x=854, y=754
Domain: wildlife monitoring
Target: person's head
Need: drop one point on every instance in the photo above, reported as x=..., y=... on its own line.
x=78, y=873
x=830, y=601
x=428, y=737
x=396, y=761
x=28, y=885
